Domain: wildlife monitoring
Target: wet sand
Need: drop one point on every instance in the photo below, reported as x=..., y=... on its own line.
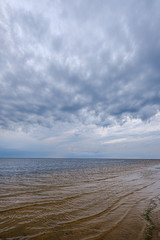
x=86, y=204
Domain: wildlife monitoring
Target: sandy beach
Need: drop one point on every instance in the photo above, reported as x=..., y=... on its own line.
x=113, y=203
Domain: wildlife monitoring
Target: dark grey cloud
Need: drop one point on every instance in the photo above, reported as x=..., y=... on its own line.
x=76, y=61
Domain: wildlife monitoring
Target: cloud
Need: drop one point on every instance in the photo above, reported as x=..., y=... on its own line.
x=127, y=140
x=78, y=64
x=132, y=139
x=92, y=61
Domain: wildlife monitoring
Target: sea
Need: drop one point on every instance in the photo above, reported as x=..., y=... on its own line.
x=77, y=198
x=20, y=166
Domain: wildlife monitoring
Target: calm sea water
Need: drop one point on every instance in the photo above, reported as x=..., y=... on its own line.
x=42, y=165
x=76, y=199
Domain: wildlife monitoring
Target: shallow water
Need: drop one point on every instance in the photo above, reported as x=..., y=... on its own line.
x=76, y=200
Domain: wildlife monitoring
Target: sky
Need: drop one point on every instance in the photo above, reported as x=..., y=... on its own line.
x=80, y=78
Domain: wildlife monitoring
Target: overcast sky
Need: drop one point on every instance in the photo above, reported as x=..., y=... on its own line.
x=80, y=78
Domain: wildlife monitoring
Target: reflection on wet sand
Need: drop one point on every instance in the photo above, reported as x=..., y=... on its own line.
x=94, y=203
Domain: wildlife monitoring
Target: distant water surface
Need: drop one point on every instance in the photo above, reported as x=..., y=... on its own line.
x=82, y=199
x=40, y=165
